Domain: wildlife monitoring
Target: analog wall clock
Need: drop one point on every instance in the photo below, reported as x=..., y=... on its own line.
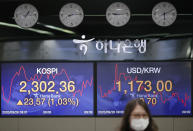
x=26, y=15
x=118, y=14
x=71, y=15
x=164, y=14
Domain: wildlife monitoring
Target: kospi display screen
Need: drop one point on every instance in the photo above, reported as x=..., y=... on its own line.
x=164, y=86
x=47, y=89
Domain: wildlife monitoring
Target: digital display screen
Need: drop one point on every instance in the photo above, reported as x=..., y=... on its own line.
x=47, y=89
x=164, y=86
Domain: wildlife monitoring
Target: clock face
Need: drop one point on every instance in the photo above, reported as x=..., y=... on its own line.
x=118, y=14
x=26, y=15
x=71, y=15
x=164, y=14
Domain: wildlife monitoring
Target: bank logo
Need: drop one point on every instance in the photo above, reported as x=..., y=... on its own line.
x=116, y=46
x=83, y=47
x=76, y=41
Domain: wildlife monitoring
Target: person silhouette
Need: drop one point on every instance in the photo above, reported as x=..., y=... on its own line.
x=137, y=117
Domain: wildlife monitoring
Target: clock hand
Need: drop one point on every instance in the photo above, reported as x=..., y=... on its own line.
x=164, y=16
x=119, y=14
x=26, y=14
x=72, y=15
x=169, y=11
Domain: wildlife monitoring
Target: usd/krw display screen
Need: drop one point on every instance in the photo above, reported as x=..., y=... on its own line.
x=164, y=86
x=47, y=89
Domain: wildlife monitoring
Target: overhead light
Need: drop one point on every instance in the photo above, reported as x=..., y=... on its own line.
x=57, y=28
x=28, y=29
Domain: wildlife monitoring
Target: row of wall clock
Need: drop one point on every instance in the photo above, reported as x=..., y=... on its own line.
x=118, y=14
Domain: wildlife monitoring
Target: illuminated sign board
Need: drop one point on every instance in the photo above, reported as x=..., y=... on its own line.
x=164, y=86
x=50, y=89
